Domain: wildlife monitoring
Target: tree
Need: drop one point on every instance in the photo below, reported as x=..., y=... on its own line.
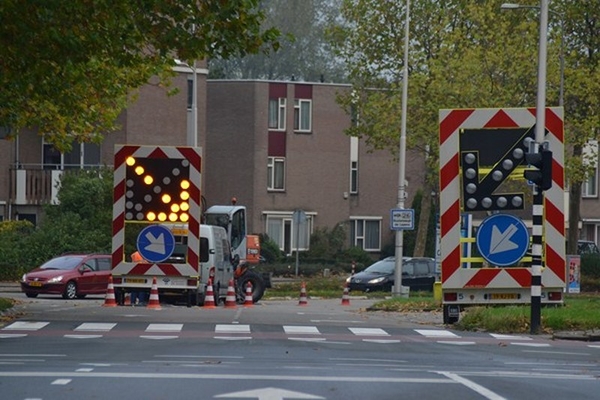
x=68, y=68
x=462, y=54
x=304, y=54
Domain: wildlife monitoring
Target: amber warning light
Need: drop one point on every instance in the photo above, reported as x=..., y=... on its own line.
x=157, y=190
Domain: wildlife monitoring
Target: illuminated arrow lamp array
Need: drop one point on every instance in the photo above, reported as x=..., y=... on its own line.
x=157, y=190
x=478, y=193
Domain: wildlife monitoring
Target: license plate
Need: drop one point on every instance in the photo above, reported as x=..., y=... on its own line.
x=37, y=284
x=504, y=296
x=134, y=280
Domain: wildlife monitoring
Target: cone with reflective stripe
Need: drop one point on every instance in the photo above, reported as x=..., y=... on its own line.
x=345, y=296
x=110, y=301
x=230, y=299
x=153, y=301
x=209, y=299
x=248, y=302
x=303, y=300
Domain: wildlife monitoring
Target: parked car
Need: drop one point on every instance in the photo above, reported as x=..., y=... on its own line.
x=418, y=273
x=72, y=276
x=587, y=247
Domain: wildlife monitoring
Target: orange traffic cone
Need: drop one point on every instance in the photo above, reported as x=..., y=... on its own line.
x=230, y=299
x=303, y=301
x=248, y=302
x=110, y=301
x=209, y=299
x=345, y=296
x=153, y=301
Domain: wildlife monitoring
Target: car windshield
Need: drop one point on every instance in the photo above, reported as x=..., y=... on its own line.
x=382, y=267
x=65, y=262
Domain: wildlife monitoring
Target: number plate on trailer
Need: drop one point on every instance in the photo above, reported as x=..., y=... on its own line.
x=134, y=280
x=38, y=284
x=504, y=296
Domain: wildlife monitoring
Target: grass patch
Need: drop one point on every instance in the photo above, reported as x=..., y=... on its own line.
x=578, y=313
x=5, y=304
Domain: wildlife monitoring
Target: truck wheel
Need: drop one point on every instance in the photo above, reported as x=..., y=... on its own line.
x=258, y=287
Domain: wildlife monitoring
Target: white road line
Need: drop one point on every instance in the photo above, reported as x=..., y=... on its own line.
x=455, y=343
x=84, y=369
x=61, y=381
x=164, y=328
x=157, y=337
x=485, y=392
x=222, y=328
x=381, y=341
x=233, y=337
x=530, y=344
x=12, y=335
x=25, y=326
x=297, y=330
x=436, y=333
x=95, y=326
x=83, y=336
x=509, y=337
x=369, y=332
x=305, y=339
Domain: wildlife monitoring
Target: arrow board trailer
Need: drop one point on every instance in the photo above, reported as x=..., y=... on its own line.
x=482, y=158
x=156, y=187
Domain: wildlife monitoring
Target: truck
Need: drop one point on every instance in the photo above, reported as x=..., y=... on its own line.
x=158, y=206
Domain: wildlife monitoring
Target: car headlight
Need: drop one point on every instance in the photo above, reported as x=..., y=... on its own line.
x=348, y=279
x=377, y=280
x=55, y=279
x=24, y=278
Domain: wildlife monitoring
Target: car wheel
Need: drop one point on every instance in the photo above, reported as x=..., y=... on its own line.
x=31, y=295
x=70, y=291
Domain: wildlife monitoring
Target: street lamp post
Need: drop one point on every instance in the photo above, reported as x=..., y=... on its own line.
x=561, y=18
x=192, y=136
x=402, y=163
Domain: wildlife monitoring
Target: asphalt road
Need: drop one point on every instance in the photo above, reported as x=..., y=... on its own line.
x=57, y=349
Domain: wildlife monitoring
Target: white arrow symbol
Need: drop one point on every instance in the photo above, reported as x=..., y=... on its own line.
x=269, y=394
x=501, y=240
x=157, y=243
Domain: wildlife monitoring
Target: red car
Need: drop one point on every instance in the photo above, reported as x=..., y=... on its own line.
x=72, y=276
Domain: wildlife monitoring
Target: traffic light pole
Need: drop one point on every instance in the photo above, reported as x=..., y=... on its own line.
x=538, y=194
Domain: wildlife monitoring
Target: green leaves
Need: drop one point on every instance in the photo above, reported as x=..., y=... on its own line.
x=67, y=68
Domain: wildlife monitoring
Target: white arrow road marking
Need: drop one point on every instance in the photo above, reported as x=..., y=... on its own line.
x=500, y=241
x=269, y=393
x=157, y=243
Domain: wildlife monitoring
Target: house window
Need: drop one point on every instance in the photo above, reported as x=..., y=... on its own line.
x=276, y=173
x=82, y=155
x=302, y=115
x=283, y=230
x=190, y=94
x=366, y=233
x=589, y=188
x=590, y=185
x=354, y=177
x=277, y=114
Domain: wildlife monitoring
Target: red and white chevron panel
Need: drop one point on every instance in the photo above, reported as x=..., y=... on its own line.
x=453, y=275
x=119, y=265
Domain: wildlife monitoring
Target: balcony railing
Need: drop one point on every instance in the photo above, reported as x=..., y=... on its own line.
x=34, y=185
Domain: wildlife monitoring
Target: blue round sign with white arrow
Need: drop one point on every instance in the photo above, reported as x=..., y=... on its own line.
x=156, y=243
x=502, y=239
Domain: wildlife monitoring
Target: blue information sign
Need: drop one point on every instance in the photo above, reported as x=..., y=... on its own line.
x=156, y=243
x=502, y=239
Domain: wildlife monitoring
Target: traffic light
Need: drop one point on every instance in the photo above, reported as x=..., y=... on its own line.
x=541, y=175
x=157, y=190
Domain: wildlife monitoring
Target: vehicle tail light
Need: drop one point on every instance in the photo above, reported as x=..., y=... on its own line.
x=451, y=296
x=192, y=282
x=555, y=296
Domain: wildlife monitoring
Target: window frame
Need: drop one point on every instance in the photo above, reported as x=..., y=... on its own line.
x=272, y=162
x=360, y=240
x=298, y=115
x=279, y=109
